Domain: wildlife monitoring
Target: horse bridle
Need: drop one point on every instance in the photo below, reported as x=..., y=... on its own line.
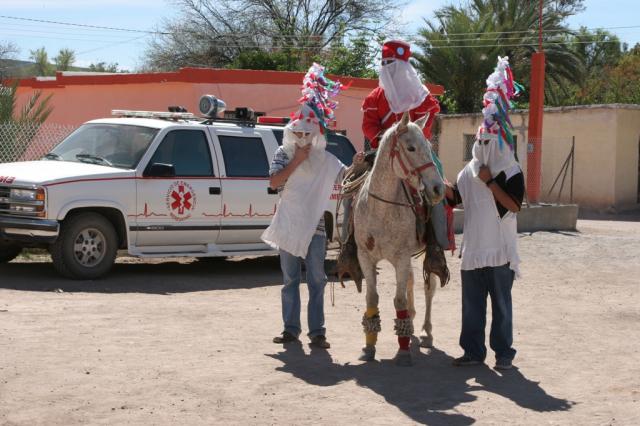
x=399, y=153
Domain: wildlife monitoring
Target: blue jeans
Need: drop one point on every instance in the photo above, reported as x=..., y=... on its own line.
x=476, y=285
x=316, y=281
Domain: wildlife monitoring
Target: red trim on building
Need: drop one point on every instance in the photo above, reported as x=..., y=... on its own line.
x=198, y=75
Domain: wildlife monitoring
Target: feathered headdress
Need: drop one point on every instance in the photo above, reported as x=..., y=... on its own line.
x=501, y=89
x=317, y=93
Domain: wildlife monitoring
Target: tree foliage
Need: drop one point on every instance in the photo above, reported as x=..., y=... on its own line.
x=20, y=125
x=617, y=82
x=65, y=59
x=461, y=44
x=103, y=67
x=266, y=34
x=40, y=58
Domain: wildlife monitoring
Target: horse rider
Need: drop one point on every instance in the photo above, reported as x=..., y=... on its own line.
x=399, y=90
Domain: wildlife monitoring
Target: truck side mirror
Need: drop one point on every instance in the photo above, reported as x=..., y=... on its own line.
x=160, y=170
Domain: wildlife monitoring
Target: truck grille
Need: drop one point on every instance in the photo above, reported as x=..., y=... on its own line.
x=5, y=192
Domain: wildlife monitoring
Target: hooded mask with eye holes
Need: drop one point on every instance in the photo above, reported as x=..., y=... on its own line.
x=488, y=152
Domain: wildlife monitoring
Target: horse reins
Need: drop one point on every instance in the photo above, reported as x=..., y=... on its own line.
x=399, y=153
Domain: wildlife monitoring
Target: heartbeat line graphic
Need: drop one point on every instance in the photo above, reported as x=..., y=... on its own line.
x=146, y=213
x=250, y=213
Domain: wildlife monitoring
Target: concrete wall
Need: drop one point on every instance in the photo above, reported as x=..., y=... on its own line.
x=81, y=97
x=606, y=151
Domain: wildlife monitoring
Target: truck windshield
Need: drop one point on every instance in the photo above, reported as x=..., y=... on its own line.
x=115, y=145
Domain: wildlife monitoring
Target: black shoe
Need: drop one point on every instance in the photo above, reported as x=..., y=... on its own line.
x=464, y=361
x=320, y=341
x=286, y=337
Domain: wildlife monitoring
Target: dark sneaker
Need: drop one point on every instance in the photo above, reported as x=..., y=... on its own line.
x=320, y=341
x=465, y=361
x=503, y=364
x=286, y=337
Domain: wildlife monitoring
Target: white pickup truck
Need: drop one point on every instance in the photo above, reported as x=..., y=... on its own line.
x=151, y=184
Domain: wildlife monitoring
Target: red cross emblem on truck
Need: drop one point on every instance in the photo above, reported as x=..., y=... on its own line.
x=181, y=200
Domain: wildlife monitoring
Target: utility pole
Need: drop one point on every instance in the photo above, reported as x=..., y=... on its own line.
x=536, y=113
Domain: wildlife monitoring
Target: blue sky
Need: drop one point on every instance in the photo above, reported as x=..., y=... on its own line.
x=126, y=48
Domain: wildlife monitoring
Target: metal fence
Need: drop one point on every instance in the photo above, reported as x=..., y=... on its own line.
x=30, y=141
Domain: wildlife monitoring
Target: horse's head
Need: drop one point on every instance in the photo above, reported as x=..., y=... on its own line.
x=412, y=157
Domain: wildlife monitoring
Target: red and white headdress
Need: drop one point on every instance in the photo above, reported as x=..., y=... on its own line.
x=402, y=86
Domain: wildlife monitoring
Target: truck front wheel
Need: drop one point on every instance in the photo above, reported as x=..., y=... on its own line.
x=86, y=247
x=8, y=251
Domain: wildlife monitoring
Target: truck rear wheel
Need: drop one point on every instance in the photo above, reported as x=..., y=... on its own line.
x=86, y=248
x=9, y=251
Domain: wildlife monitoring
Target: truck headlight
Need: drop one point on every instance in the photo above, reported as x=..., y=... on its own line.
x=28, y=201
x=24, y=194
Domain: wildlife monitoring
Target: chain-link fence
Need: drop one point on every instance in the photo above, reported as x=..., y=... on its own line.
x=29, y=141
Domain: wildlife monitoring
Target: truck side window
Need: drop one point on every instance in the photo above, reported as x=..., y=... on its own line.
x=337, y=144
x=187, y=150
x=340, y=146
x=244, y=157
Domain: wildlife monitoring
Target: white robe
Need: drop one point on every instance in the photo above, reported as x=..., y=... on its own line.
x=302, y=203
x=488, y=239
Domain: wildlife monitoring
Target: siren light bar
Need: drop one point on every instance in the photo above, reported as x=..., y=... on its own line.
x=152, y=114
x=273, y=120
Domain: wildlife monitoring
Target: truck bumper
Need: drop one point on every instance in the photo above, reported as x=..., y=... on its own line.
x=29, y=230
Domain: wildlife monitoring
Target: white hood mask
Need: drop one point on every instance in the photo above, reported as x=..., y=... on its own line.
x=402, y=86
x=497, y=158
x=313, y=136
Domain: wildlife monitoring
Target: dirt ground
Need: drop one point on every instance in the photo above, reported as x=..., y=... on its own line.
x=189, y=342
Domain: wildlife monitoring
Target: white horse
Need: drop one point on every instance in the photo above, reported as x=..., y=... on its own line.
x=385, y=228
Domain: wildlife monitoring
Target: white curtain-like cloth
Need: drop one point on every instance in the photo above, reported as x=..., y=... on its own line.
x=488, y=239
x=305, y=196
x=492, y=155
x=402, y=86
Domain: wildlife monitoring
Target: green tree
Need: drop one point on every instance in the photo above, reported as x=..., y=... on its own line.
x=65, y=59
x=8, y=51
x=41, y=59
x=617, y=83
x=104, y=67
x=461, y=44
x=354, y=59
x=252, y=33
x=20, y=125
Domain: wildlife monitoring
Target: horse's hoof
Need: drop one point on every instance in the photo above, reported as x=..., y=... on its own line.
x=426, y=341
x=368, y=354
x=403, y=359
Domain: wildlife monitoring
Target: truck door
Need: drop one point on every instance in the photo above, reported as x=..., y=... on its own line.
x=248, y=204
x=180, y=208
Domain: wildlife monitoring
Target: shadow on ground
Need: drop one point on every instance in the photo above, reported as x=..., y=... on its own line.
x=428, y=392
x=156, y=278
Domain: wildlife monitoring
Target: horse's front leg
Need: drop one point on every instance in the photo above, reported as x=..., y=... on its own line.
x=404, y=323
x=371, y=318
x=429, y=291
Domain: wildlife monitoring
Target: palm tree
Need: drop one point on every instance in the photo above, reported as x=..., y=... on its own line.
x=488, y=28
x=41, y=59
x=65, y=59
x=20, y=127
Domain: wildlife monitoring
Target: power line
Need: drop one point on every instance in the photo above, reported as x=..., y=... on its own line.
x=521, y=44
x=81, y=25
x=566, y=30
x=535, y=31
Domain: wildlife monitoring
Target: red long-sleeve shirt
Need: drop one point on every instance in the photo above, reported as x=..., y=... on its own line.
x=378, y=116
